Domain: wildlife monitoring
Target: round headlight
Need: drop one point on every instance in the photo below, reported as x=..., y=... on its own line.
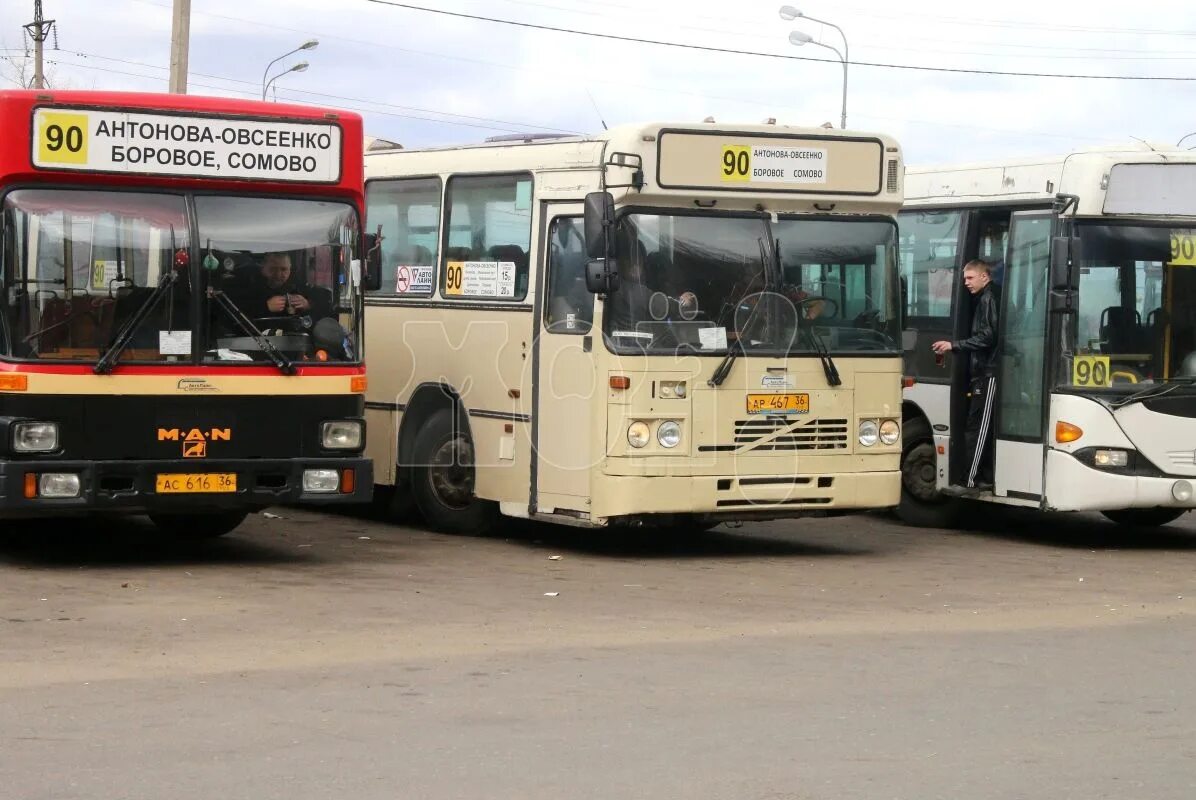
x=668, y=434
x=638, y=434
x=890, y=431
x=868, y=432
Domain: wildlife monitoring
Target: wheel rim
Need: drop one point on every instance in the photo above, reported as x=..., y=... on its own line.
x=919, y=473
x=451, y=473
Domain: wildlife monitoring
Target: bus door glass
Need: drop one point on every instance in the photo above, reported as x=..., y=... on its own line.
x=1022, y=343
x=566, y=381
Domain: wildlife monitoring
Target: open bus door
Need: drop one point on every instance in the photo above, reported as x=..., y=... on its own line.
x=1023, y=395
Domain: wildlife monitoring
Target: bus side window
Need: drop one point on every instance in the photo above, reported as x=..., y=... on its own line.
x=408, y=211
x=489, y=225
x=570, y=307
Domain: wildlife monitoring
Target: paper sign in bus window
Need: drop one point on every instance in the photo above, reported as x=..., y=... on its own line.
x=480, y=278
x=103, y=273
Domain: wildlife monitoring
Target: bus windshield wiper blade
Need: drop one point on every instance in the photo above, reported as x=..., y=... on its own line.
x=828, y=364
x=1155, y=390
x=736, y=348
x=125, y=335
x=724, y=367
x=284, y=364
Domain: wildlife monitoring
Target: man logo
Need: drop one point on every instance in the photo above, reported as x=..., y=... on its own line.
x=195, y=441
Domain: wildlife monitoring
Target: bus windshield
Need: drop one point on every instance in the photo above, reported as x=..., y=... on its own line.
x=1136, y=320
x=706, y=283
x=86, y=270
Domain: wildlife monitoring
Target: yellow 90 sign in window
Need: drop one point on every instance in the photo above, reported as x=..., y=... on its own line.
x=1183, y=249
x=737, y=163
x=62, y=139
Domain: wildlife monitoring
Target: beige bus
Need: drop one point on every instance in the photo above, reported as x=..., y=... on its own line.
x=664, y=325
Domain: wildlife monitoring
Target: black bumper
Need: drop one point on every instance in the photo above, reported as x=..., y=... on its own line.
x=130, y=486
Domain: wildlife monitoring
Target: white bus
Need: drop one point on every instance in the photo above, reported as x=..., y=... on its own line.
x=1095, y=256
x=657, y=325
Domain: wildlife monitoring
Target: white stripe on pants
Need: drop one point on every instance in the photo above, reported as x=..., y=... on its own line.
x=982, y=436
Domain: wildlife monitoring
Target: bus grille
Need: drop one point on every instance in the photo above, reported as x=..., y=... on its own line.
x=779, y=434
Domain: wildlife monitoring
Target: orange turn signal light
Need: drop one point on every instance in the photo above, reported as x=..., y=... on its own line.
x=1066, y=432
x=348, y=481
x=908, y=381
x=11, y=382
x=30, y=485
x=620, y=382
x=357, y=384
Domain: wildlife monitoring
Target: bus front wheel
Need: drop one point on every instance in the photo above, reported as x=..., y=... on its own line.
x=1144, y=517
x=922, y=504
x=443, y=478
x=199, y=526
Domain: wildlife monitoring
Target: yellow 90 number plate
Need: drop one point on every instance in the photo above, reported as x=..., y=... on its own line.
x=778, y=403
x=195, y=483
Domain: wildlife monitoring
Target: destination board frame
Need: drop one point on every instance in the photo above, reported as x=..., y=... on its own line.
x=329, y=122
x=780, y=140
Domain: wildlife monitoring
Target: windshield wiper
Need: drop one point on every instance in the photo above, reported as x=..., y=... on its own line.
x=736, y=349
x=284, y=364
x=125, y=335
x=828, y=364
x=1155, y=390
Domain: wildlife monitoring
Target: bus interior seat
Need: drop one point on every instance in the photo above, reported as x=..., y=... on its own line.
x=79, y=321
x=1121, y=330
x=458, y=254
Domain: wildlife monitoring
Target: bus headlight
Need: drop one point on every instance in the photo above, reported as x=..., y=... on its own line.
x=669, y=434
x=890, y=431
x=1111, y=458
x=868, y=432
x=35, y=437
x=638, y=434
x=341, y=434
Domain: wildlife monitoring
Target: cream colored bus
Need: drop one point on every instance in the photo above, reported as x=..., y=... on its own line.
x=660, y=324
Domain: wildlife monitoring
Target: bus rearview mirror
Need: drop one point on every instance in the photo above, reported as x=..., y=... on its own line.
x=372, y=279
x=599, y=216
x=1062, y=277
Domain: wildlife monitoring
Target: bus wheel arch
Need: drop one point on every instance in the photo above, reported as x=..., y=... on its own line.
x=436, y=464
x=922, y=505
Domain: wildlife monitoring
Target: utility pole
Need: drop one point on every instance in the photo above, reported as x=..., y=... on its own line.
x=38, y=31
x=180, y=38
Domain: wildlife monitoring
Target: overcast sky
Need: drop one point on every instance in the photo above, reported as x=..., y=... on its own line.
x=423, y=78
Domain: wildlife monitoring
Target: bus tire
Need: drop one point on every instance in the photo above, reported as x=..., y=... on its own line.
x=442, y=478
x=922, y=505
x=1144, y=517
x=202, y=525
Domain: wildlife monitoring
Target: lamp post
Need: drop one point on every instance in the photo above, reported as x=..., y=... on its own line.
x=310, y=44
x=300, y=67
x=799, y=38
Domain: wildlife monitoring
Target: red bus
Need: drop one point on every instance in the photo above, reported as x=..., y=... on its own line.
x=180, y=319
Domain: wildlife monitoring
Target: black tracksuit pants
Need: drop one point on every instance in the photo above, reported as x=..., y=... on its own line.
x=978, y=435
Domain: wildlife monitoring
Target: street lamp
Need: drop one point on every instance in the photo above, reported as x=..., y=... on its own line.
x=300, y=67
x=310, y=44
x=798, y=38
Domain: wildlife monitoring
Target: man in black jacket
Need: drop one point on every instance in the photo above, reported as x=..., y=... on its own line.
x=981, y=347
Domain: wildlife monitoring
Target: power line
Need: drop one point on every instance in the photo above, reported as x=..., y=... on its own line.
x=709, y=49
x=524, y=125
x=255, y=94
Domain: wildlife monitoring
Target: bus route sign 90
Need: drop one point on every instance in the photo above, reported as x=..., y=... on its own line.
x=185, y=146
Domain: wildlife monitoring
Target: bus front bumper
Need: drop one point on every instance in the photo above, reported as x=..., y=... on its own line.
x=133, y=486
x=1075, y=486
x=746, y=496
